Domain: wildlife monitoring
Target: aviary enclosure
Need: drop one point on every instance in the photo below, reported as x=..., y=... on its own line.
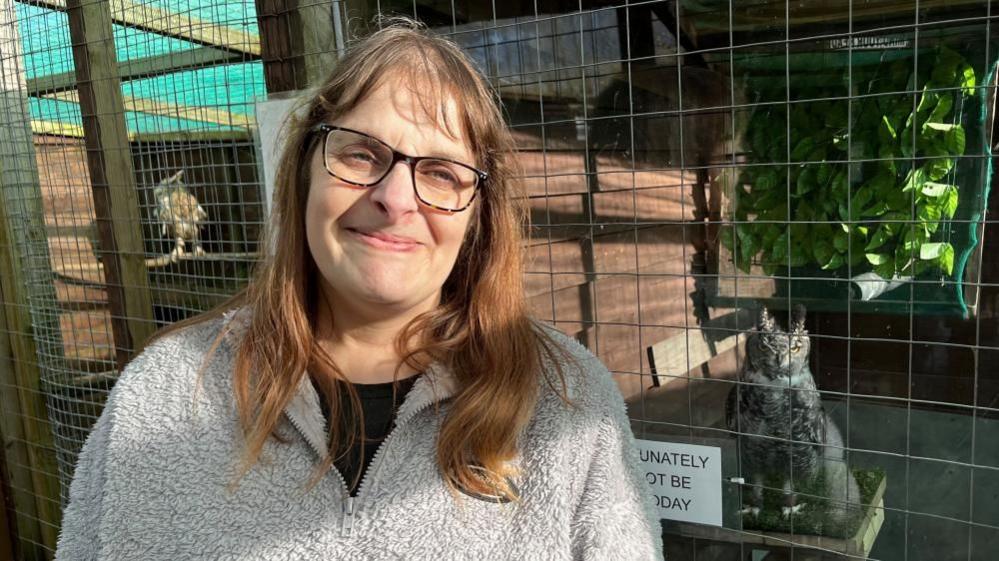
x=690, y=164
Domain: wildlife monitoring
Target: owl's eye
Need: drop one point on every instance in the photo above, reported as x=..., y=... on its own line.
x=795, y=347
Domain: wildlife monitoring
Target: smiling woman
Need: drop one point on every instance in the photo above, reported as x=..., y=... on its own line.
x=380, y=248
x=379, y=390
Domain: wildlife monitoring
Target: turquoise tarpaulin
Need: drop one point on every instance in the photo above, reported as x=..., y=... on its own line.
x=227, y=88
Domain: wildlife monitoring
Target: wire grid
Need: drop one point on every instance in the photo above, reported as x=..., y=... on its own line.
x=187, y=106
x=632, y=134
x=622, y=131
x=21, y=205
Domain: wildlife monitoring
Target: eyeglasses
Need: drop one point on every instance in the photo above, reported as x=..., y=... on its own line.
x=360, y=159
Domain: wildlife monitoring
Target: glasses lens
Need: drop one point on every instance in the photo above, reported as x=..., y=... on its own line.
x=356, y=158
x=445, y=184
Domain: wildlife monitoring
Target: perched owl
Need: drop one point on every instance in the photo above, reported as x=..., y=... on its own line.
x=785, y=432
x=179, y=214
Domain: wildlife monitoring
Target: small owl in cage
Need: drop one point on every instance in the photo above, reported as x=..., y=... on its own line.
x=179, y=214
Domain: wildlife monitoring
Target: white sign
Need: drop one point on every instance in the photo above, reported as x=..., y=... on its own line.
x=685, y=479
x=271, y=117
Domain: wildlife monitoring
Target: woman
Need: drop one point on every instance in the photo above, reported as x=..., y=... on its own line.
x=459, y=428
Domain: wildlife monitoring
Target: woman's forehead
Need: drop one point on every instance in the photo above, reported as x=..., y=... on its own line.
x=414, y=121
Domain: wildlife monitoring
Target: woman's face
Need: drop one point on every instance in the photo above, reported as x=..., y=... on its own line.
x=378, y=250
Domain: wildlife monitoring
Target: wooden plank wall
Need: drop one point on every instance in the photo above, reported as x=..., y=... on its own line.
x=616, y=286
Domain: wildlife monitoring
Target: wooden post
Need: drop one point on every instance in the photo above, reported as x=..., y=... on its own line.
x=298, y=42
x=8, y=531
x=116, y=202
x=15, y=468
x=317, y=39
x=25, y=286
x=25, y=432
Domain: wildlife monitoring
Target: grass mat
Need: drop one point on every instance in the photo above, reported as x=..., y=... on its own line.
x=813, y=518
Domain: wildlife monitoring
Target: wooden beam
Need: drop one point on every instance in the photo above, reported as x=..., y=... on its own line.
x=168, y=24
x=23, y=524
x=298, y=42
x=8, y=531
x=242, y=135
x=24, y=268
x=712, y=29
x=317, y=40
x=172, y=110
x=112, y=177
x=275, y=45
x=157, y=65
x=25, y=433
x=75, y=131
x=201, y=114
x=39, y=126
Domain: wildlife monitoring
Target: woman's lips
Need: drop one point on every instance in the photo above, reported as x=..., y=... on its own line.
x=384, y=241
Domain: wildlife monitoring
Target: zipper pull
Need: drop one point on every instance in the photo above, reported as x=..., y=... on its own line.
x=348, y=516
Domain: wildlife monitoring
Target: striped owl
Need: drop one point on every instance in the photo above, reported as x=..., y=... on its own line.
x=179, y=213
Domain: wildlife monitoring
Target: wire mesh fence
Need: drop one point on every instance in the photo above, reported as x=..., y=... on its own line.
x=131, y=200
x=688, y=163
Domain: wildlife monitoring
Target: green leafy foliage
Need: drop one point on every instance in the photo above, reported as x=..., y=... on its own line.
x=868, y=181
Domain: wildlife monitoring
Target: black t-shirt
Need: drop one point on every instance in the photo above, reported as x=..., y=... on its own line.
x=379, y=410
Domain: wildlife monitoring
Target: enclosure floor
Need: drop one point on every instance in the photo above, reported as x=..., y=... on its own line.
x=927, y=456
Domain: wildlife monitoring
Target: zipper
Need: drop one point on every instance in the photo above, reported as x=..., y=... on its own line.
x=347, y=523
x=350, y=509
x=301, y=431
x=351, y=505
x=343, y=482
x=348, y=515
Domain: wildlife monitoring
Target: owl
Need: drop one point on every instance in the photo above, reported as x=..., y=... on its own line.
x=784, y=429
x=179, y=214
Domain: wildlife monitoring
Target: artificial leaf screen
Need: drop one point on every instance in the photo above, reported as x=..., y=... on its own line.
x=868, y=183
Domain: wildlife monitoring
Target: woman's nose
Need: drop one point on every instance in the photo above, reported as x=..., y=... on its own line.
x=395, y=195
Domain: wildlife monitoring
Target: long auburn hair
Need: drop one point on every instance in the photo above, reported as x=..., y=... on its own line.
x=481, y=332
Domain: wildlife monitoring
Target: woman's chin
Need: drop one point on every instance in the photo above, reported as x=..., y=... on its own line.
x=392, y=297
x=388, y=299
x=388, y=289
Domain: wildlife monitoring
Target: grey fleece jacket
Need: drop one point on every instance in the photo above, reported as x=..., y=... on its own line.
x=151, y=480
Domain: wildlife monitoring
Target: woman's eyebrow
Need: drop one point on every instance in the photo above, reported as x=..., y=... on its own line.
x=448, y=155
x=443, y=153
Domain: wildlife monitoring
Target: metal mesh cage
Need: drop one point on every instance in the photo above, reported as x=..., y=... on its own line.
x=687, y=162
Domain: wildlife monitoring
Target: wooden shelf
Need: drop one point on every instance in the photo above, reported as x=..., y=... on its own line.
x=857, y=546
